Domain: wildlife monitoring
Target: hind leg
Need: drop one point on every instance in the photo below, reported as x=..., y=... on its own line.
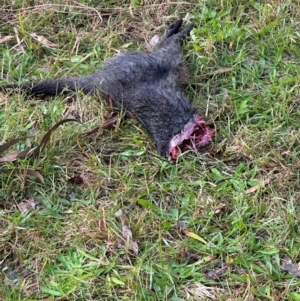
x=168, y=50
x=173, y=30
x=186, y=32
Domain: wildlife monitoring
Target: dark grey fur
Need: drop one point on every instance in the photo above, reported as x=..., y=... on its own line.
x=145, y=84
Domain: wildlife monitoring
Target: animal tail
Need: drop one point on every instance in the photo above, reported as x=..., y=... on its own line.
x=50, y=87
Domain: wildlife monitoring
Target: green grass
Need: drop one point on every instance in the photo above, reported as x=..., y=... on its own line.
x=240, y=196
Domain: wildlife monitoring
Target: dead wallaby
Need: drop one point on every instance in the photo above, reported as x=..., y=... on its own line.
x=148, y=86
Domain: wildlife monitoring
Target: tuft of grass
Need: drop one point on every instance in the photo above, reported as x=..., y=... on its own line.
x=216, y=224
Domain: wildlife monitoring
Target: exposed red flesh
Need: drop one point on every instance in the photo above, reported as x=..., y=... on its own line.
x=194, y=135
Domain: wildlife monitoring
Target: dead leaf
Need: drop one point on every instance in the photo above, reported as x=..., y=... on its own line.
x=201, y=291
x=109, y=122
x=107, y=125
x=92, y=131
x=43, y=40
x=127, y=234
x=288, y=266
x=256, y=187
x=26, y=205
x=5, y=39
x=14, y=155
x=221, y=70
x=26, y=171
x=215, y=72
x=7, y=145
x=34, y=173
x=47, y=136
